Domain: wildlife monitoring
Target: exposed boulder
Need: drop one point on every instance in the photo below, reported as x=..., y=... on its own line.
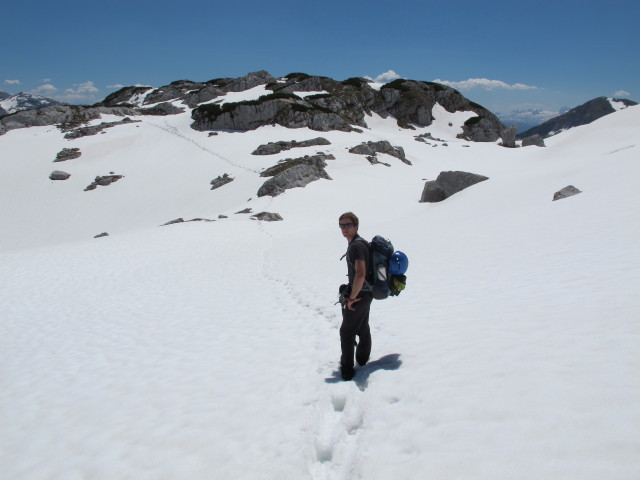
x=220, y=181
x=206, y=94
x=67, y=117
x=93, y=130
x=174, y=91
x=103, y=181
x=272, y=148
x=567, y=191
x=67, y=154
x=483, y=128
x=313, y=160
x=182, y=220
x=267, y=217
x=59, y=175
x=296, y=176
x=447, y=184
x=162, y=109
x=288, y=111
x=432, y=192
x=536, y=140
x=508, y=136
x=409, y=102
x=246, y=210
x=383, y=146
x=250, y=80
x=101, y=235
x=126, y=95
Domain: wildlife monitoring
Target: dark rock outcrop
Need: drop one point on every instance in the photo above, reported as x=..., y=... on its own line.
x=447, y=184
x=275, y=109
x=536, y=140
x=67, y=117
x=272, y=148
x=383, y=146
x=581, y=115
x=508, y=136
x=220, y=181
x=296, y=176
x=94, y=130
x=267, y=217
x=101, y=235
x=67, y=154
x=567, y=191
x=313, y=160
x=59, y=175
x=125, y=95
x=162, y=109
x=103, y=181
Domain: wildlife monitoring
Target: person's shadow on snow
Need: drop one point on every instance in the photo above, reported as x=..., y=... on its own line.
x=361, y=378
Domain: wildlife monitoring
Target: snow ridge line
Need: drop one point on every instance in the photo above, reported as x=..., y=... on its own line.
x=174, y=131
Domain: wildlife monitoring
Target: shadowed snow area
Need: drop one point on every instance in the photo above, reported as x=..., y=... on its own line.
x=209, y=350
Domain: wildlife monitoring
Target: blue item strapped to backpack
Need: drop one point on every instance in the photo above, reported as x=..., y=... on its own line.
x=386, y=268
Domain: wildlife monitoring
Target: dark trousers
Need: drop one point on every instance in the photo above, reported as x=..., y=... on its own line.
x=356, y=322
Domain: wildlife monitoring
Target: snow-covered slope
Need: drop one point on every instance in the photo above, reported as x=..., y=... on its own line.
x=208, y=350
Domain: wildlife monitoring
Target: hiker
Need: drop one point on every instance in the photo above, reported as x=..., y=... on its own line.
x=355, y=302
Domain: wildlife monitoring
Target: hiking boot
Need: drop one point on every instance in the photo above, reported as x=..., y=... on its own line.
x=347, y=373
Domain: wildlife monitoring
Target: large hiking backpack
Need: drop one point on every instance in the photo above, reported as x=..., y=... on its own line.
x=386, y=269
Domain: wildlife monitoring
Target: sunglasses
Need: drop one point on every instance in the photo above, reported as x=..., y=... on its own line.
x=345, y=225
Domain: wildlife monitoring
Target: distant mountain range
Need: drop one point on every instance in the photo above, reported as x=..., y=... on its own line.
x=23, y=101
x=581, y=115
x=528, y=118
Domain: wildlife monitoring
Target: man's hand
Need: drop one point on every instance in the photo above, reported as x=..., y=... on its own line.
x=351, y=301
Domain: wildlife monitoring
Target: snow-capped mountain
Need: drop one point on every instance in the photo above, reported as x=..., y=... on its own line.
x=580, y=115
x=23, y=101
x=525, y=119
x=193, y=338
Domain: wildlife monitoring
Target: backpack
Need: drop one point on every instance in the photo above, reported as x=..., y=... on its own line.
x=386, y=268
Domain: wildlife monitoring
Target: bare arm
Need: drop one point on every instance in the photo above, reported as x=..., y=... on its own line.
x=358, y=281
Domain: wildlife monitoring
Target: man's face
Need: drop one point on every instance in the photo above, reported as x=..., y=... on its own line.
x=347, y=228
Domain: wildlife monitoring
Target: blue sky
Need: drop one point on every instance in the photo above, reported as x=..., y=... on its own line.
x=505, y=55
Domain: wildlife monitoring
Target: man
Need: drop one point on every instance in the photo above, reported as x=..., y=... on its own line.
x=357, y=299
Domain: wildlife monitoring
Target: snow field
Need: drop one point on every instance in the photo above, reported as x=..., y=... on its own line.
x=210, y=350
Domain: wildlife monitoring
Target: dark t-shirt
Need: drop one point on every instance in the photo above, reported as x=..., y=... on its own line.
x=357, y=250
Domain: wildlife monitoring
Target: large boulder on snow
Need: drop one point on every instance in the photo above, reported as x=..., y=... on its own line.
x=272, y=148
x=508, y=136
x=536, y=140
x=59, y=175
x=567, y=191
x=296, y=176
x=447, y=184
x=371, y=148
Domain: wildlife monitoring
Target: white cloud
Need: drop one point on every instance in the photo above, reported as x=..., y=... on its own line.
x=82, y=93
x=82, y=89
x=12, y=82
x=46, y=89
x=117, y=85
x=385, y=77
x=621, y=93
x=485, y=84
